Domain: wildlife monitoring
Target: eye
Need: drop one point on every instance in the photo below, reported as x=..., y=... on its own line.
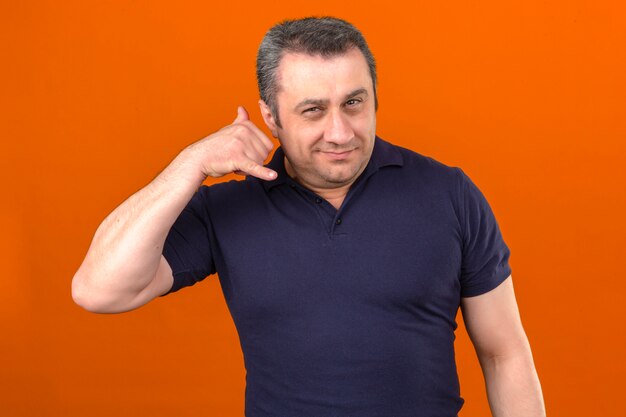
x=311, y=110
x=353, y=102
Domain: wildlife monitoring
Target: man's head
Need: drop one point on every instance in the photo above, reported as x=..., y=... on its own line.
x=324, y=36
x=318, y=97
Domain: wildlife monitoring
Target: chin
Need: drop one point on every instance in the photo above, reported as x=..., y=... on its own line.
x=339, y=177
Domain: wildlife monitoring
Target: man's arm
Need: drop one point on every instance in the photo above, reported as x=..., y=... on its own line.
x=124, y=267
x=494, y=326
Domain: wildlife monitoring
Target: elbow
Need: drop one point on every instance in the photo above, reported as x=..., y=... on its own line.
x=519, y=353
x=86, y=297
x=88, y=293
x=80, y=294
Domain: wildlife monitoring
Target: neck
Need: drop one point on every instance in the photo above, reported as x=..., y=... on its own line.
x=334, y=194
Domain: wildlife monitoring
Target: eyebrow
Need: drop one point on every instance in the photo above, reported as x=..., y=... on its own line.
x=323, y=102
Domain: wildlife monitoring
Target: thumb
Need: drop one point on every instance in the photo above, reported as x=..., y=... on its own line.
x=242, y=115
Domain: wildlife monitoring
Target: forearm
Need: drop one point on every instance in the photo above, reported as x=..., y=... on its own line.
x=124, y=267
x=126, y=249
x=513, y=387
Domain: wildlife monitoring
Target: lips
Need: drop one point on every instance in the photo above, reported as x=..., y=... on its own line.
x=337, y=154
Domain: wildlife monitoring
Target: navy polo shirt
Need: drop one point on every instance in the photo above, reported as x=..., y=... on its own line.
x=349, y=312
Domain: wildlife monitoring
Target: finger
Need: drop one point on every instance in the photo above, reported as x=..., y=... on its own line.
x=259, y=171
x=256, y=152
x=267, y=142
x=256, y=149
x=252, y=138
x=242, y=115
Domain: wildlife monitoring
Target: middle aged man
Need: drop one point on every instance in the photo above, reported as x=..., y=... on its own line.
x=343, y=262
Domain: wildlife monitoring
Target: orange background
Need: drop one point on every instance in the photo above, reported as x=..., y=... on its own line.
x=528, y=97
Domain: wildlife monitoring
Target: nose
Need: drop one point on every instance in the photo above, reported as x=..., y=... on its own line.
x=338, y=129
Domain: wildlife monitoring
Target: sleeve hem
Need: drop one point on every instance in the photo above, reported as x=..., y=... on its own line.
x=485, y=287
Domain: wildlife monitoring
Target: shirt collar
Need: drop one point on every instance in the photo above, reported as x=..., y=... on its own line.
x=384, y=154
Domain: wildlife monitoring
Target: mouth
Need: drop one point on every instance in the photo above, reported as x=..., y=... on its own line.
x=337, y=155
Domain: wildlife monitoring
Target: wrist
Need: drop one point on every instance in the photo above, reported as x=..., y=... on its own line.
x=184, y=172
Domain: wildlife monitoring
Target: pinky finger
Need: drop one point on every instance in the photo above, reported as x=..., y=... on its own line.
x=252, y=168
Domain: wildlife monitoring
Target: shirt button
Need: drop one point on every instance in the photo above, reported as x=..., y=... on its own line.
x=318, y=200
x=338, y=221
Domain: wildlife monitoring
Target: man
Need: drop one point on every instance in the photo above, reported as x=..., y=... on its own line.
x=343, y=261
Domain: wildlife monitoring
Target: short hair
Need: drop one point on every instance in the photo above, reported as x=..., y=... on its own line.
x=325, y=36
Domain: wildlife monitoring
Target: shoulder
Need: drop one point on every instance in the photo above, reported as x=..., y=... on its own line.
x=416, y=167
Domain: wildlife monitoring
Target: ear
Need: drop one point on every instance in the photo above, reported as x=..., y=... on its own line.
x=268, y=118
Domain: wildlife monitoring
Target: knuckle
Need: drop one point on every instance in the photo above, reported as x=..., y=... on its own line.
x=235, y=146
x=251, y=166
x=242, y=129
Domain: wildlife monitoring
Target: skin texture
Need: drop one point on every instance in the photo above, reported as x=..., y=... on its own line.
x=124, y=267
x=495, y=328
x=327, y=110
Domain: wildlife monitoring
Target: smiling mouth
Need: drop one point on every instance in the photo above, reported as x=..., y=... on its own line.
x=337, y=155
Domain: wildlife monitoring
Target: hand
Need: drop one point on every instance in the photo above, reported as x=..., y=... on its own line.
x=240, y=147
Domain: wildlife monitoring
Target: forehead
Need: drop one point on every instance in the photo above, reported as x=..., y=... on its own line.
x=302, y=75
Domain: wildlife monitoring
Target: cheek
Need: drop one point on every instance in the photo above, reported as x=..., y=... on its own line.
x=298, y=146
x=364, y=125
x=307, y=136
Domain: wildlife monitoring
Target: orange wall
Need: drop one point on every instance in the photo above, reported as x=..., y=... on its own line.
x=527, y=96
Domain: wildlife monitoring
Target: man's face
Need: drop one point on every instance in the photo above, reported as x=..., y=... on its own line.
x=328, y=117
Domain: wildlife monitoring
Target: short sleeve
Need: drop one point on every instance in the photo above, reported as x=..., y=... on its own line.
x=187, y=247
x=485, y=262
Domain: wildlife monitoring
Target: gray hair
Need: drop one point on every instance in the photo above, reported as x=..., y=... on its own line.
x=325, y=36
